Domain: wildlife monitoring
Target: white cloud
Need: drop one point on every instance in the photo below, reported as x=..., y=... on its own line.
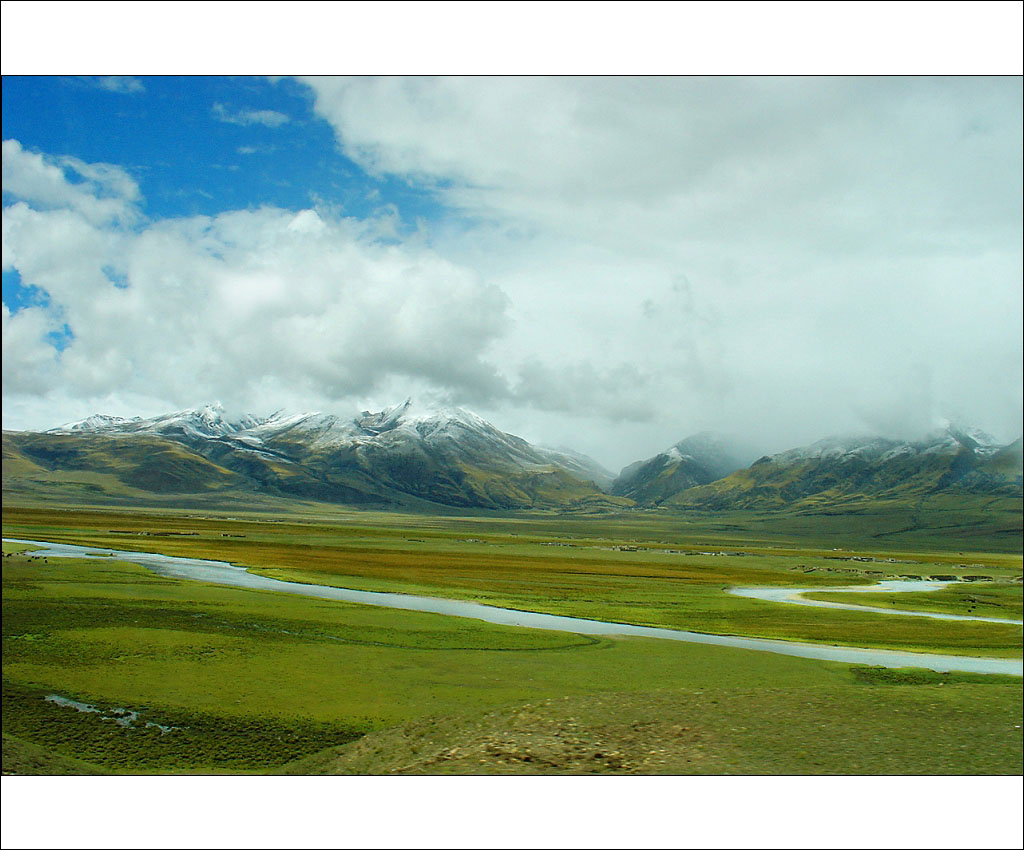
x=121, y=85
x=29, y=367
x=259, y=309
x=686, y=156
x=834, y=235
x=248, y=117
x=105, y=194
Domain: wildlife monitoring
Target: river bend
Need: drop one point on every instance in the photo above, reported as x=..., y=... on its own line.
x=220, y=572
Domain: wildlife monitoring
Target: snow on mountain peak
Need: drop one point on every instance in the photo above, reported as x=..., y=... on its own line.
x=208, y=420
x=423, y=419
x=98, y=422
x=969, y=435
x=950, y=439
x=385, y=420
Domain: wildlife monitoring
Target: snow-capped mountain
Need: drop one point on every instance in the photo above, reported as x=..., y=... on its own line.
x=949, y=440
x=195, y=423
x=408, y=454
x=447, y=455
x=699, y=459
x=95, y=424
x=951, y=460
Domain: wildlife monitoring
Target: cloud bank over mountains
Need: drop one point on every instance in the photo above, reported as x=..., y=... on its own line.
x=737, y=249
x=245, y=306
x=617, y=262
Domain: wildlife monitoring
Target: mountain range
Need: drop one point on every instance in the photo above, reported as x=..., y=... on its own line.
x=835, y=470
x=398, y=456
x=408, y=456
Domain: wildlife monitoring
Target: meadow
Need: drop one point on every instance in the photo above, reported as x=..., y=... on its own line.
x=174, y=676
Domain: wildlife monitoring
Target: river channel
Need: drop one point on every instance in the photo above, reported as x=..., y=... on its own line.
x=793, y=596
x=220, y=572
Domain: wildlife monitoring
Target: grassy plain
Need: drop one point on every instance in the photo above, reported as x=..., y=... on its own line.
x=646, y=573
x=230, y=680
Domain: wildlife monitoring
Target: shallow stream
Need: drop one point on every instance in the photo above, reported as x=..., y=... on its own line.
x=220, y=572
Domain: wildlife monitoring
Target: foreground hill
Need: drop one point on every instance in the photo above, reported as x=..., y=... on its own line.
x=952, y=462
x=395, y=457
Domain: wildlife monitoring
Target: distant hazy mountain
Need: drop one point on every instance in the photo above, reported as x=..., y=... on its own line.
x=449, y=456
x=699, y=459
x=952, y=461
x=579, y=464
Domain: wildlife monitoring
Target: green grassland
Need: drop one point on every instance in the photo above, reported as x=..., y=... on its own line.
x=229, y=680
x=250, y=681
x=658, y=578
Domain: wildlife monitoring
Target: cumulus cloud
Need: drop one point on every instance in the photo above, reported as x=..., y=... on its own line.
x=257, y=308
x=102, y=194
x=833, y=235
x=248, y=117
x=29, y=367
x=686, y=156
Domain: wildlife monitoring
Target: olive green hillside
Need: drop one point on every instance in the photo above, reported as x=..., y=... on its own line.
x=111, y=468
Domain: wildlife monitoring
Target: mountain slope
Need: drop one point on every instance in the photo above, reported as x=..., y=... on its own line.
x=699, y=459
x=952, y=461
x=450, y=456
x=84, y=463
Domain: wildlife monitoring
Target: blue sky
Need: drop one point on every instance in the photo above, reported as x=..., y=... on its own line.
x=202, y=145
x=198, y=145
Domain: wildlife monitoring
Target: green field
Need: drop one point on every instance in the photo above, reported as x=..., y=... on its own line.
x=213, y=679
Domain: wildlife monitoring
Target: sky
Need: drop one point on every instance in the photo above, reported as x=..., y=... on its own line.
x=605, y=263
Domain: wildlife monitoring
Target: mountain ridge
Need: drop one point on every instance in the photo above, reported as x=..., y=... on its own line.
x=446, y=455
x=950, y=460
x=408, y=453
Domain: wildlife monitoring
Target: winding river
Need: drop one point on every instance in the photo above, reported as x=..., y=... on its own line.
x=794, y=597
x=220, y=572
